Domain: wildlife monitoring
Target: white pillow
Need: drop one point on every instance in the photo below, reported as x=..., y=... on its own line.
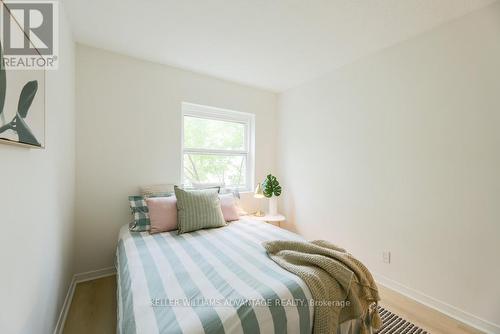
x=155, y=189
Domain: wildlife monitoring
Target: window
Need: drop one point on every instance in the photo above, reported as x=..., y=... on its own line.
x=217, y=147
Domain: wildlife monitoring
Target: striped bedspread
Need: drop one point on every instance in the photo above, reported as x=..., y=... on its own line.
x=210, y=281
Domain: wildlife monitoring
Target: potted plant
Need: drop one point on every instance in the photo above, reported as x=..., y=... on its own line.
x=272, y=189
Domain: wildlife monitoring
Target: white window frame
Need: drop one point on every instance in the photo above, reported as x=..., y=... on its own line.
x=219, y=114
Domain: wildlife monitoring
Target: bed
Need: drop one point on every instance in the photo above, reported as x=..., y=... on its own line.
x=210, y=281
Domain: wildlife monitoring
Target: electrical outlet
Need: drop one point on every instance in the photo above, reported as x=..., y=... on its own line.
x=386, y=257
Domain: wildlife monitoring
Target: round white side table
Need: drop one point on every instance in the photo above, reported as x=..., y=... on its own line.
x=275, y=219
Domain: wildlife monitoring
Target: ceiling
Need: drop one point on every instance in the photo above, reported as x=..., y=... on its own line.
x=272, y=44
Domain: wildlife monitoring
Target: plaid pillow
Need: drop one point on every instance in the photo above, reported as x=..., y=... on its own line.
x=140, y=212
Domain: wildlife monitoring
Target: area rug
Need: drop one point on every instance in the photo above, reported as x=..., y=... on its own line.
x=394, y=324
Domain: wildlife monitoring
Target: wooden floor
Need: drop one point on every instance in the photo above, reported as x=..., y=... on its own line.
x=93, y=310
x=429, y=319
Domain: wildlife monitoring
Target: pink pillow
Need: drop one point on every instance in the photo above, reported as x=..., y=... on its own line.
x=162, y=213
x=229, y=208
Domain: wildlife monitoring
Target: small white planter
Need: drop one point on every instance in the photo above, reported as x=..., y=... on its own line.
x=273, y=206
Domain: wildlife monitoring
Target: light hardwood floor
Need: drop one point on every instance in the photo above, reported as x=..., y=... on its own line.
x=93, y=311
x=427, y=318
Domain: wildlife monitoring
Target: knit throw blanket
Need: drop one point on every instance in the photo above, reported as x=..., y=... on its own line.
x=341, y=286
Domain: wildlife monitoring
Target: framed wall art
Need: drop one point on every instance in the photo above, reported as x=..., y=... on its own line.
x=22, y=90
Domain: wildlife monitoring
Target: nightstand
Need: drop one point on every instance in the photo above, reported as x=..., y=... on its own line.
x=275, y=220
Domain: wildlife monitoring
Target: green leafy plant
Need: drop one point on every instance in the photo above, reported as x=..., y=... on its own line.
x=18, y=123
x=271, y=186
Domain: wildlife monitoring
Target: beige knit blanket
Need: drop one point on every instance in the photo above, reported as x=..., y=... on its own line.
x=341, y=286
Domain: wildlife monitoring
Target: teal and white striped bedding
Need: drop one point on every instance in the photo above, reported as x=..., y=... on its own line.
x=169, y=283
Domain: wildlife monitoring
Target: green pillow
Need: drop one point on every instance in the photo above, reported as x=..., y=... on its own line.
x=198, y=209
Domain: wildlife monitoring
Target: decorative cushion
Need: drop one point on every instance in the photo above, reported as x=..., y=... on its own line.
x=229, y=207
x=140, y=212
x=198, y=209
x=162, y=213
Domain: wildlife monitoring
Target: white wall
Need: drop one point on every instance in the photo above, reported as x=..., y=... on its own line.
x=37, y=205
x=400, y=151
x=129, y=134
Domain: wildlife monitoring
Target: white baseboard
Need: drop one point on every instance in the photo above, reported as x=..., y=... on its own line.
x=65, y=307
x=79, y=278
x=94, y=274
x=451, y=311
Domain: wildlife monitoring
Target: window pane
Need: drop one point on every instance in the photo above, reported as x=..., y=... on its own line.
x=213, y=134
x=228, y=170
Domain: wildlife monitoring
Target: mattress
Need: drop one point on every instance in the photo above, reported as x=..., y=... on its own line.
x=210, y=281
